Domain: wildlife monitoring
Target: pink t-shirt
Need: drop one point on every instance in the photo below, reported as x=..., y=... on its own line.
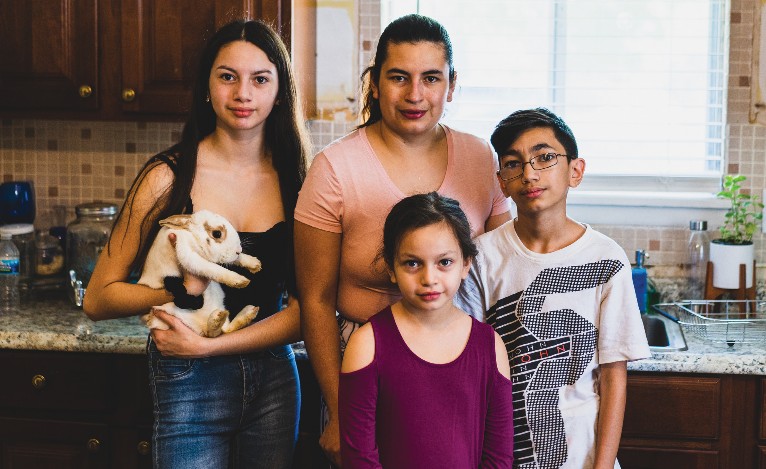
x=348, y=191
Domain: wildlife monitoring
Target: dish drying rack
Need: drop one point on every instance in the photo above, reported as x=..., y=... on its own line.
x=722, y=321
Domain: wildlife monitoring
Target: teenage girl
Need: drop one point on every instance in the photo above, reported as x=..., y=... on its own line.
x=232, y=401
x=423, y=384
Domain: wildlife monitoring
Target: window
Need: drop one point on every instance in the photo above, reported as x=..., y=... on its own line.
x=642, y=83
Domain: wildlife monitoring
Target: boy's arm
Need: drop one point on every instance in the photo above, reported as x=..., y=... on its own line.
x=470, y=296
x=612, y=389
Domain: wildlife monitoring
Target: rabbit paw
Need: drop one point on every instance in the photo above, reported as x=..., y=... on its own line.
x=234, y=280
x=251, y=263
x=152, y=322
x=215, y=322
x=242, y=319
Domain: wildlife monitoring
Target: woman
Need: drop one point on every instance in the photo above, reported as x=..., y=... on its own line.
x=231, y=401
x=401, y=149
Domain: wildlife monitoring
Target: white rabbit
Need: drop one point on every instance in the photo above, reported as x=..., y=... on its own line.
x=203, y=240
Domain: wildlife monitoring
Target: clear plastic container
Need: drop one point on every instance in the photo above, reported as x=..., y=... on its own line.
x=23, y=236
x=87, y=236
x=9, y=275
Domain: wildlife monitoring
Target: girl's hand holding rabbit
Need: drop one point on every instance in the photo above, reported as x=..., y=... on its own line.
x=179, y=340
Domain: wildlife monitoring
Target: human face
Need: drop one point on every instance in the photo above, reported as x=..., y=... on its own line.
x=243, y=87
x=428, y=268
x=545, y=189
x=413, y=87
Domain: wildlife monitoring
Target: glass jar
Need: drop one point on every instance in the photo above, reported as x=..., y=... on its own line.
x=86, y=237
x=49, y=255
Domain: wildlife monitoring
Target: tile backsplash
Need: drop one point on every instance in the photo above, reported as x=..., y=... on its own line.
x=75, y=161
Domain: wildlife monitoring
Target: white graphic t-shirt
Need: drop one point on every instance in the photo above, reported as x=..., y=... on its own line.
x=560, y=314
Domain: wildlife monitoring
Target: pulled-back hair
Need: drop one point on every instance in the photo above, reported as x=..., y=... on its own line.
x=421, y=210
x=407, y=29
x=510, y=128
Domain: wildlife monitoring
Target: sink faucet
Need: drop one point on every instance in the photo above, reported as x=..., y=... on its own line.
x=77, y=290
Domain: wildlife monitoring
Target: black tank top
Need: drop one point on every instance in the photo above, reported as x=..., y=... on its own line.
x=273, y=248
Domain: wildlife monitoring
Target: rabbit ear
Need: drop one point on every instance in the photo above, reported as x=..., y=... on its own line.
x=180, y=222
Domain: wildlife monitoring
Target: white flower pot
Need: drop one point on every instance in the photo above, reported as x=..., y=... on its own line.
x=726, y=259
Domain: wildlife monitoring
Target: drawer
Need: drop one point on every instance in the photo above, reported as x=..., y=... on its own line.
x=29, y=443
x=667, y=458
x=673, y=407
x=55, y=380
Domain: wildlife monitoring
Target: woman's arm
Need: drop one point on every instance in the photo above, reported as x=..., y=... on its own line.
x=109, y=295
x=281, y=328
x=612, y=389
x=317, y=265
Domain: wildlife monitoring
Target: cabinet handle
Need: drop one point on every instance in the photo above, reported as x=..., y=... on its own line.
x=93, y=445
x=85, y=91
x=143, y=447
x=38, y=381
x=128, y=94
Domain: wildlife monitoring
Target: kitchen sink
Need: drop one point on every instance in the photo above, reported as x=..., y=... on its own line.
x=663, y=334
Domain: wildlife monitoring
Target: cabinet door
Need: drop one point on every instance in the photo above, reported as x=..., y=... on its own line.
x=161, y=42
x=50, y=55
x=50, y=444
x=683, y=407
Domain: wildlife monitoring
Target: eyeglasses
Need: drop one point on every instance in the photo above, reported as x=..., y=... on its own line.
x=513, y=169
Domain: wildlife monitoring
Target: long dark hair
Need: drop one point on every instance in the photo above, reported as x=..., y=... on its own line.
x=412, y=29
x=421, y=210
x=285, y=135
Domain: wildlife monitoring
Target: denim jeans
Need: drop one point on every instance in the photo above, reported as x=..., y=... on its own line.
x=235, y=411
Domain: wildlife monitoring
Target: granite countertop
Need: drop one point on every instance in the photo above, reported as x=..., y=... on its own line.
x=56, y=324
x=707, y=357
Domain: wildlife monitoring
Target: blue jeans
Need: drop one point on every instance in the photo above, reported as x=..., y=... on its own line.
x=235, y=411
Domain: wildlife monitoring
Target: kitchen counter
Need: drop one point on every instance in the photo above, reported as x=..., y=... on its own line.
x=55, y=324
x=58, y=325
x=707, y=357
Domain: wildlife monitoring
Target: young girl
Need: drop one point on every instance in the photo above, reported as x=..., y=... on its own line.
x=423, y=384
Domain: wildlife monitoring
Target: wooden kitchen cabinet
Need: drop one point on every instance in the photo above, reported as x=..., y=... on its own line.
x=761, y=451
x=112, y=59
x=50, y=51
x=693, y=421
x=63, y=410
x=74, y=410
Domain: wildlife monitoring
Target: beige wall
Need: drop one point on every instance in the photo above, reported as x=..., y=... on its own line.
x=73, y=162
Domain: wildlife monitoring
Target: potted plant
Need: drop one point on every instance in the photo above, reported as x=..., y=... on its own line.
x=735, y=246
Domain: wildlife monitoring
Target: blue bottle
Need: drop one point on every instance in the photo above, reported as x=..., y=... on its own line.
x=640, y=281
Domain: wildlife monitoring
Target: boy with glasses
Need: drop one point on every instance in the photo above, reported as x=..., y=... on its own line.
x=561, y=296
